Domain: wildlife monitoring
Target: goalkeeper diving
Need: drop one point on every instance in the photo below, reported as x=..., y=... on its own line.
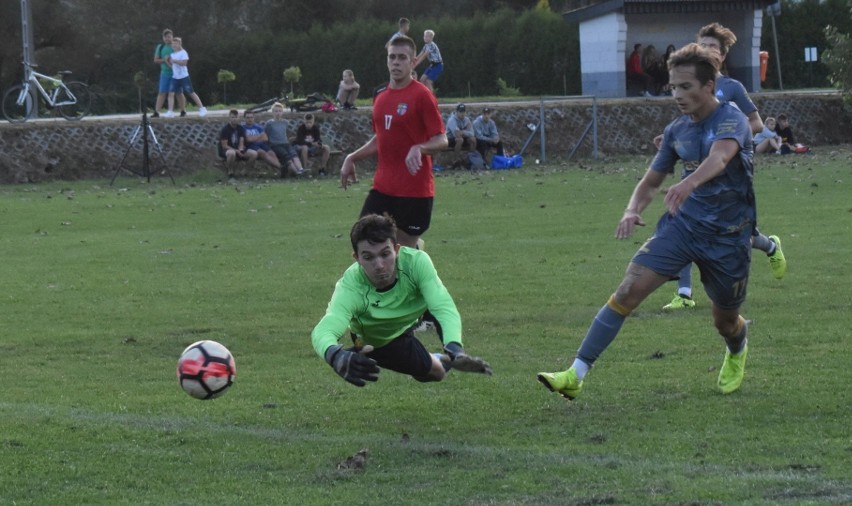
x=380, y=300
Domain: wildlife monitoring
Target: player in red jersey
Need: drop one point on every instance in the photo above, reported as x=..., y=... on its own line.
x=408, y=130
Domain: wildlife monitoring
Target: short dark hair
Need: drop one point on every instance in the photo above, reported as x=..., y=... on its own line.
x=724, y=35
x=374, y=229
x=404, y=40
x=404, y=21
x=782, y=117
x=705, y=61
x=234, y=112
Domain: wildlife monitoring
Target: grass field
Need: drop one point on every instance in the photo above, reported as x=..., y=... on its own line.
x=103, y=286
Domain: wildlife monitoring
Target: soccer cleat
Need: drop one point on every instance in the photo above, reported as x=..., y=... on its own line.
x=680, y=302
x=777, y=262
x=564, y=383
x=733, y=370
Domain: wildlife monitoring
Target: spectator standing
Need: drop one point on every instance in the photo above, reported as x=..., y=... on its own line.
x=487, y=137
x=309, y=142
x=347, y=91
x=403, y=26
x=276, y=132
x=460, y=130
x=432, y=54
x=180, y=78
x=635, y=72
x=161, y=55
x=232, y=144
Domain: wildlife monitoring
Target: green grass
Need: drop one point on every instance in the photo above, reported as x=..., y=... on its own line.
x=103, y=286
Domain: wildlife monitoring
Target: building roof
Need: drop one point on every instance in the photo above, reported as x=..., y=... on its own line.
x=583, y=10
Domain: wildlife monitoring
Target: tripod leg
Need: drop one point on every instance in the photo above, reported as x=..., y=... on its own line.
x=130, y=144
x=160, y=151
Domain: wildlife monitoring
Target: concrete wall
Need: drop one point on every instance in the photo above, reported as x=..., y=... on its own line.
x=92, y=148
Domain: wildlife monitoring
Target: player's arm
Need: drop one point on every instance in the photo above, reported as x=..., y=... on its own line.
x=721, y=153
x=754, y=122
x=438, y=299
x=414, y=158
x=347, y=170
x=642, y=196
x=349, y=364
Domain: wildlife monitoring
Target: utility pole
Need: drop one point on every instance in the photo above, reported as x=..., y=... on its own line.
x=28, y=45
x=773, y=11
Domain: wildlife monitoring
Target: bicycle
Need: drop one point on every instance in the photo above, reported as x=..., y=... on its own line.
x=72, y=99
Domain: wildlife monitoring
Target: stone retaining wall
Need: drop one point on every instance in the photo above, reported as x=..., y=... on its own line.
x=58, y=149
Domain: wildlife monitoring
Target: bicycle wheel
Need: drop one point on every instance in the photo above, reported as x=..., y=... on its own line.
x=82, y=104
x=11, y=110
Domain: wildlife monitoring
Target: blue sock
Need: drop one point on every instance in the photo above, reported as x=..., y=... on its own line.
x=603, y=330
x=684, y=283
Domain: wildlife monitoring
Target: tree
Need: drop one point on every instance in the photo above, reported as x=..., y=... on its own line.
x=224, y=77
x=292, y=75
x=838, y=58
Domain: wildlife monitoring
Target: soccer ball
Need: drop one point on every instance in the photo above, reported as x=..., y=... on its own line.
x=206, y=369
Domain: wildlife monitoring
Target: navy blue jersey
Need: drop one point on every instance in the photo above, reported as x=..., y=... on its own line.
x=731, y=90
x=725, y=205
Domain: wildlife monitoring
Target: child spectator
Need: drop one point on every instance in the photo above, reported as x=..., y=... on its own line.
x=767, y=141
x=788, y=142
x=431, y=52
x=309, y=143
x=347, y=91
x=180, y=78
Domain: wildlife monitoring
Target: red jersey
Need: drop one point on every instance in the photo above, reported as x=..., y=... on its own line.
x=401, y=119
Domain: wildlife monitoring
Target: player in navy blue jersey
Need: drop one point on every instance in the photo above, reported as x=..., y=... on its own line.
x=709, y=218
x=716, y=37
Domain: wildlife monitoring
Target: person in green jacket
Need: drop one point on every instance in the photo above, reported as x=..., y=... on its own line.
x=379, y=300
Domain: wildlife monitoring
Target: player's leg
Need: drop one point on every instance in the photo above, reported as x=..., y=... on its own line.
x=771, y=245
x=724, y=272
x=639, y=281
x=683, y=297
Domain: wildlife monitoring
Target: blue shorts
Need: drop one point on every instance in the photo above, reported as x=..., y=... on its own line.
x=434, y=71
x=165, y=83
x=181, y=86
x=722, y=261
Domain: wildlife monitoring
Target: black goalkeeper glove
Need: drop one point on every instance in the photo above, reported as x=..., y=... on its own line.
x=352, y=366
x=461, y=361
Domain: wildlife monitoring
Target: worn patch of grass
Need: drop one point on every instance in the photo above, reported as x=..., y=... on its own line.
x=104, y=285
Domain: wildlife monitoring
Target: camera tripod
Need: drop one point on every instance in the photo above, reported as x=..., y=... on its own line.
x=146, y=132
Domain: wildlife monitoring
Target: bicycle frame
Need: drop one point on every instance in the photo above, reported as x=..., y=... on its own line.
x=32, y=79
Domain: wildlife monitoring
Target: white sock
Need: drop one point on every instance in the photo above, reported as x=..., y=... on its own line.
x=581, y=368
x=686, y=292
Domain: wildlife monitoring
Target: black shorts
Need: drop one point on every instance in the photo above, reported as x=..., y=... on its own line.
x=451, y=143
x=411, y=214
x=405, y=355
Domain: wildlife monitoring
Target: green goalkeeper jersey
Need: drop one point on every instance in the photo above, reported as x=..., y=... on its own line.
x=380, y=316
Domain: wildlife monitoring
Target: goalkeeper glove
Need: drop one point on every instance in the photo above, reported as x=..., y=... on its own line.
x=461, y=361
x=352, y=366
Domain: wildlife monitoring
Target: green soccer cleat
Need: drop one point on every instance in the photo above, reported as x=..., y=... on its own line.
x=564, y=383
x=680, y=302
x=733, y=370
x=777, y=262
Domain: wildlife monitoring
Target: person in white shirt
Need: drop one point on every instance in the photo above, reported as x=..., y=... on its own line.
x=179, y=59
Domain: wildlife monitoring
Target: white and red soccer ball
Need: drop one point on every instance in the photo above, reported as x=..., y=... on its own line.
x=206, y=369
